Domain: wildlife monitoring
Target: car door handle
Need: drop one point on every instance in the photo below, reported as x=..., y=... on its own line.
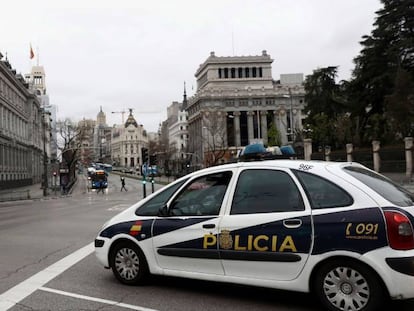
x=292, y=223
x=209, y=226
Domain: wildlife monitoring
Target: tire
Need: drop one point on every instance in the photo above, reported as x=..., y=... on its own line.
x=348, y=285
x=128, y=264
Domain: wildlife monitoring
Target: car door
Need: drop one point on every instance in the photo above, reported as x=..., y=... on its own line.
x=267, y=231
x=183, y=238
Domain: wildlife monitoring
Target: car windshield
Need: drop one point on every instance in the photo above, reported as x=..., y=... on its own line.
x=382, y=185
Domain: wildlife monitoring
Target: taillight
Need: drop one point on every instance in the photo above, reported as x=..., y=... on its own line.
x=399, y=231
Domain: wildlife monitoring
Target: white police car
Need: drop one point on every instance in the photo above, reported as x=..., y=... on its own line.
x=336, y=229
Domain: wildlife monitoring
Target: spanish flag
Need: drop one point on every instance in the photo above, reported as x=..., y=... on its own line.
x=31, y=52
x=136, y=228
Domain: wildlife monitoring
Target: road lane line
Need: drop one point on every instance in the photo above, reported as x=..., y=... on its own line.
x=19, y=292
x=89, y=298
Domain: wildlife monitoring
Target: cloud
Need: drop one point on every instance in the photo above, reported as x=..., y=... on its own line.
x=137, y=54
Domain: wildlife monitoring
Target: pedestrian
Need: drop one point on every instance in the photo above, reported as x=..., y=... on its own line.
x=123, y=184
x=100, y=187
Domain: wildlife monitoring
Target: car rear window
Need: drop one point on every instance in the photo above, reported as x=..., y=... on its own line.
x=382, y=185
x=322, y=193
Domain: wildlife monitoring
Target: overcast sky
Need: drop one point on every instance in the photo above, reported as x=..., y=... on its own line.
x=137, y=54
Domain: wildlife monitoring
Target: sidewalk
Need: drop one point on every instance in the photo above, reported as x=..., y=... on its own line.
x=32, y=192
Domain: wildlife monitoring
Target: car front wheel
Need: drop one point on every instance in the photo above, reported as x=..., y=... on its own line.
x=348, y=286
x=128, y=263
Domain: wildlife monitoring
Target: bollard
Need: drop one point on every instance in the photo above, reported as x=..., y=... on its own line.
x=349, y=150
x=307, y=148
x=152, y=184
x=376, y=145
x=144, y=189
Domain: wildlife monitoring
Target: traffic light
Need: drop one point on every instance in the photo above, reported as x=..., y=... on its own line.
x=144, y=152
x=153, y=159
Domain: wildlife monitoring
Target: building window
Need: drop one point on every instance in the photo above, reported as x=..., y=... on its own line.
x=219, y=73
x=226, y=73
x=247, y=72
x=260, y=72
x=240, y=70
x=233, y=73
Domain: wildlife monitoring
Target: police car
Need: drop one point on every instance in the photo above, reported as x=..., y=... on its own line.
x=336, y=229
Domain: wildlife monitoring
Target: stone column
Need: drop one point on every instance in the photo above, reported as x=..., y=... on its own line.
x=327, y=153
x=408, y=157
x=250, y=130
x=307, y=148
x=280, y=121
x=349, y=150
x=263, y=126
x=376, y=157
x=236, y=125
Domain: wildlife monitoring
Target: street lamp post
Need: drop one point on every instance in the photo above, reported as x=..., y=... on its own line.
x=291, y=132
x=45, y=181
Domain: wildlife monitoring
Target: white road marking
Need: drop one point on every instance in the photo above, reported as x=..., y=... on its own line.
x=105, y=301
x=19, y=292
x=119, y=207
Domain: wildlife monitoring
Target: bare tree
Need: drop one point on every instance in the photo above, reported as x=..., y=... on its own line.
x=215, y=138
x=70, y=142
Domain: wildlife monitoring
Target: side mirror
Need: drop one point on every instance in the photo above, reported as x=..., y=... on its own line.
x=163, y=211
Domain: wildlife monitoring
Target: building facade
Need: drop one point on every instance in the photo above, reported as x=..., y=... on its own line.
x=238, y=102
x=127, y=143
x=177, y=135
x=23, y=127
x=37, y=82
x=87, y=152
x=102, y=139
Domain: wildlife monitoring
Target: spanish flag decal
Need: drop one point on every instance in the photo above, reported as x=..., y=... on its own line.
x=136, y=228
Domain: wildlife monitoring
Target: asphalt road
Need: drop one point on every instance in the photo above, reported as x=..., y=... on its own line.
x=47, y=263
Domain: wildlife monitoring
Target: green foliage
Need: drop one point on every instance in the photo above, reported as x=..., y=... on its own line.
x=389, y=48
x=400, y=105
x=273, y=135
x=378, y=101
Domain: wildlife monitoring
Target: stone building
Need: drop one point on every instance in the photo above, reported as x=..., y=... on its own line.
x=127, y=142
x=37, y=83
x=102, y=139
x=23, y=126
x=237, y=102
x=87, y=152
x=178, y=134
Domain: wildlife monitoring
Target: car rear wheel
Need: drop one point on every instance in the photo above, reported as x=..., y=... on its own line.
x=348, y=286
x=128, y=263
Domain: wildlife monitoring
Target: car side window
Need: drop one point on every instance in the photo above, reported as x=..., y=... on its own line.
x=265, y=191
x=202, y=196
x=322, y=193
x=152, y=207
